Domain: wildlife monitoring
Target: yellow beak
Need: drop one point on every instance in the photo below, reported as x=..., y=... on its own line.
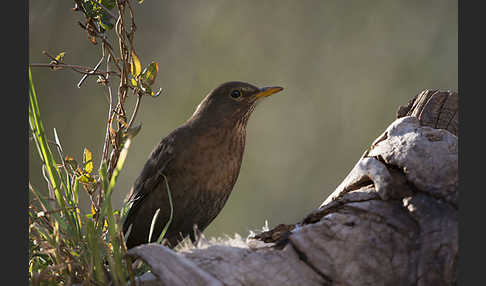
x=267, y=91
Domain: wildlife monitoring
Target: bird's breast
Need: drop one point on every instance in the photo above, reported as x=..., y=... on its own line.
x=209, y=168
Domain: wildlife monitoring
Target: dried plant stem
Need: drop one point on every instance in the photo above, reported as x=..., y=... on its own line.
x=117, y=121
x=137, y=104
x=110, y=114
x=76, y=68
x=95, y=69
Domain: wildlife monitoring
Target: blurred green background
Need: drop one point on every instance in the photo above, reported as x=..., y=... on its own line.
x=346, y=66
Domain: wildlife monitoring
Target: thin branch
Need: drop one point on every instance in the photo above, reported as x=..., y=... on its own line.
x=133, y=27
x=44, y=213
x=50, y=57
x=44, y=208
x=120, y=29
x=110, y=114
x=122, y=55
x=54, y=65
x=107, y=133
x=111, y=51
x=104, y=39
x=95, y=69
x=76, y=68
x=139, y=98
x=124, y=86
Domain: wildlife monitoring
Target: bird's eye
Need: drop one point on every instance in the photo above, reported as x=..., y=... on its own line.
x=235, y=93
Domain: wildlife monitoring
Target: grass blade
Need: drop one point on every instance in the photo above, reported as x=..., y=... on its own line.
x=152, y=225
x=162, y=234
x=40, y=140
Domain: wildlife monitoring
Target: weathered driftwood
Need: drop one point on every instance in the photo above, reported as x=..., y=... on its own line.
x=392, y=221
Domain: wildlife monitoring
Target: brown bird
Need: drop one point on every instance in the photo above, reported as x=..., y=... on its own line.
x=199, y=161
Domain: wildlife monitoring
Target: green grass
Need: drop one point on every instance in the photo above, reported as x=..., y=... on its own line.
x=66, y=245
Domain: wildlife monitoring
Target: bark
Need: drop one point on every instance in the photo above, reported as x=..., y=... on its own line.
x=392, y=221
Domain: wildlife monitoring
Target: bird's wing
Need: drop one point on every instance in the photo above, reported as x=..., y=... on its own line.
x=151, y=176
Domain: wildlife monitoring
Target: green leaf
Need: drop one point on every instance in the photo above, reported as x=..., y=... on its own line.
x=107, y=190
x=109, y=4
x=156, y=93
x=133, y=131
x=140, y=1
x=94, y=10
x=60, y=57
x=87, y=161
x=134, y=82
x=146, y=88
x=150, y=73
x=90, y=8
x=70, y=161
x=136, y=66
x=86, y=178
x=106, y=21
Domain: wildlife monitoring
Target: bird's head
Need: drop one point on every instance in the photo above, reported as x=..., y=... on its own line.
x=231, y=102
